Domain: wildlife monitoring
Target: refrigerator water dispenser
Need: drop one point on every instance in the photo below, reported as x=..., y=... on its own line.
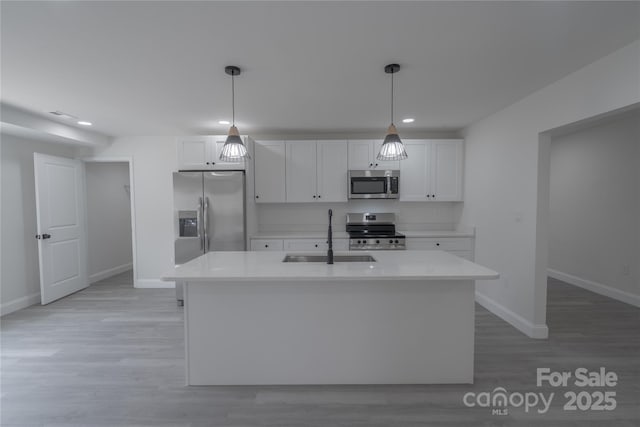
x=187, y=224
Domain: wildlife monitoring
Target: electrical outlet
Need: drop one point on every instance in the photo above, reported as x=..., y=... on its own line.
x=626, y=269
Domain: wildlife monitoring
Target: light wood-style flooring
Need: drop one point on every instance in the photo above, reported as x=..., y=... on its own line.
x=112, y=355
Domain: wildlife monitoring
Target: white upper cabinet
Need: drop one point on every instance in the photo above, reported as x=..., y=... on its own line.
x=269, y=171
x=415, y=172
x=203, y=153
x=192, y=152
x=360, y=154
x=214, y=154
x=433, y=171
x=331, y=166
x=446, y=173
x=316, y=171
x=301, y=171
x=363, y=153
x=380, y=164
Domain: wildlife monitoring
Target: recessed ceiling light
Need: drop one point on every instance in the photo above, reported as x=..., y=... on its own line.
x=409, y=120
x=224, y=122
x=83, y=123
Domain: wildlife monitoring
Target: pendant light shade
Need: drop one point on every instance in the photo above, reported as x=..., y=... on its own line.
x=233, y=148
x=392, y=146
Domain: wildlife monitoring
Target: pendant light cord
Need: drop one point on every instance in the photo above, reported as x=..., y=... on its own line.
x=233, y=101
x=392, y=98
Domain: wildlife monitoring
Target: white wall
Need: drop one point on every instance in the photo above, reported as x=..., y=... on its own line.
x=506, y=198
x=108, y=219
x=154, y=159
x=595, y=206
x=19, y=268
x=313, y=216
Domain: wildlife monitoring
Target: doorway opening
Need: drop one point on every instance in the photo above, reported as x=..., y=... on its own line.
x=588, y=232
x=110, y=220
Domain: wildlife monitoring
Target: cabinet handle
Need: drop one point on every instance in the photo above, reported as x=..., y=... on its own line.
x=370, y=164
x=207, y=162
x=433, y=196
x=319, y=196
x=316, y=245
x=266, y=246
x=437, y=244
x=314, y=196
x=257, y=197
x=376, y=165
x=428, y=196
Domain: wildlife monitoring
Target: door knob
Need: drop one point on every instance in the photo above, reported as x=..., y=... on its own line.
x=43, y=236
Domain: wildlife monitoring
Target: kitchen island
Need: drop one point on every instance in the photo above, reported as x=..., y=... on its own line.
x=252, y=319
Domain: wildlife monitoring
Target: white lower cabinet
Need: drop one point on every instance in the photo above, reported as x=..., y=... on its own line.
x=460, y=246
x=300, y=245
x=266, y=245
x=315, y=244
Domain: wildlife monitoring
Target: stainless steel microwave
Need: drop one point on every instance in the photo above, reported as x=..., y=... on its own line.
x=374, y=184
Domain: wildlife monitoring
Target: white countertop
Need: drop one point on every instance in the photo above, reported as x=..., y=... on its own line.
x=344, y=235
x=438, y=233
x=268, y=266
x=298, y=235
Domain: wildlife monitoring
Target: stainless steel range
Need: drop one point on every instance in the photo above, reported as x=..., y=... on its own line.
x=373, y=231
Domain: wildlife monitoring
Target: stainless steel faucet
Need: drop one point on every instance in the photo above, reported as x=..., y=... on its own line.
x=330, y=241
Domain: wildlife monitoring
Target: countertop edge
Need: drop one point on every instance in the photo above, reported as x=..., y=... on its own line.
x=323, y=279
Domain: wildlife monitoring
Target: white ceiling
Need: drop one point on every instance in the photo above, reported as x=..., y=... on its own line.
x=153, y=68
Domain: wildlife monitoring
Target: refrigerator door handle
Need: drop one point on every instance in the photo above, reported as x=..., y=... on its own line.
x=199, y=221
x=206, y=224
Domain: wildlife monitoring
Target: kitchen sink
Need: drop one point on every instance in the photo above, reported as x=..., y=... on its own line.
x=323, y=258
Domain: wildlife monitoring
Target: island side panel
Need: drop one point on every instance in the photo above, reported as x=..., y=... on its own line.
x=330, y=332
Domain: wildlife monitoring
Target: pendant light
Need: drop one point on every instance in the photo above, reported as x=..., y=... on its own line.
x=392, y=147
x=233, y=148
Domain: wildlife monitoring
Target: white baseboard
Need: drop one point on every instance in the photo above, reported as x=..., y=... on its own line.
x=520, y=323
x=19, y=303
x=96, y=277
x=153, y=283
x=598, y=288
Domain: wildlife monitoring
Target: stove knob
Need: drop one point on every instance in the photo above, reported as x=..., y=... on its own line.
x=390, y=241
x=377, y=241
x=397, y=241
x=359, y=242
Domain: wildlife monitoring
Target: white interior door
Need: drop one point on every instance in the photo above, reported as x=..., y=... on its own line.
x=61, y=234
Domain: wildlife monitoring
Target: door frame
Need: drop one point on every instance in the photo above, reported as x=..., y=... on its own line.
x=132, y=198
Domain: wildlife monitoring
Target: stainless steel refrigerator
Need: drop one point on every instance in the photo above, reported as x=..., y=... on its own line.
x=209, y=215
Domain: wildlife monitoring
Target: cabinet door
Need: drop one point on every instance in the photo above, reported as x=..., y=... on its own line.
x=360, y=154
x=192, y=153
x=269, y=169
x=415, y=177
x=443, y=243
x=266, y=244
x=331, y=172
x=446, y=170
x=301, y=171
x=305, y=245
x=214, y=155
x=380, y=164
